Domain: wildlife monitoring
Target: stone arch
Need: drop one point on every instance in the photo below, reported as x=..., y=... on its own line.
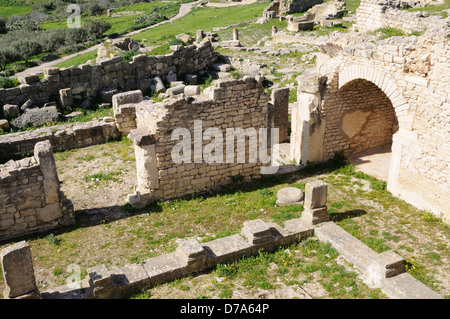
x=401, y=107
x=384, y=83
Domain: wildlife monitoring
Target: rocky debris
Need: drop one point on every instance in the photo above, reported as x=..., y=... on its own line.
x=27, y=105
x=11, y=111
x=36, y=117
x=4, y=125
x=106, y=94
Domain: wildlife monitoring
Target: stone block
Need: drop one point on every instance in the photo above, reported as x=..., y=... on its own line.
x=194, y=254
x=130, y=97
x=165, y=268
x=11, y=111
x=66, y=97
x=192, y=90
x=44, y=156
x=313, y=216
x=226, y=249
x=29, y=79
x=259, y=235
x=4, y=125
x=129, y=278
x=18, y=271
x=315, y=194
x=289, y=196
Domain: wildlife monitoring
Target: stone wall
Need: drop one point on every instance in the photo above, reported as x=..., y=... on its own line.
x=62, y=137
x=30, y=195
x=234, y=104
x=359, y=117
x=413, y=74
x=88, y=80
x=295, y=6
x=373, y=14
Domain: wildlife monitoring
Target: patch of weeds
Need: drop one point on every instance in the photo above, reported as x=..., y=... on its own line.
x=53, y=239
x=389, y=32
x=110, y=176
x=57, y=271
x=265, y=192
x=128, y=208
x=87, y=158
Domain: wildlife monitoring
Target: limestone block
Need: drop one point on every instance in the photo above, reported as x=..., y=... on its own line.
x=258, y=234
x=130, y=278
x=11, y=111
x=289, y=196
x=29, y=79
x=66, y=97
x=18, y=272
x=130, y=97
x=225, y=249
x=165, y=267
x=315, y=194
x=44, y=156
x=194, y=254
x=176, y=90
x=49, y=212
x=4, y=125
x=191, y=90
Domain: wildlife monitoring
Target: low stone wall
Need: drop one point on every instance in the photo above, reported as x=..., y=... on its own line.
x=88, y=80
x=61, y=137
x=373, y=14
x=30, y=195
x=295, y=6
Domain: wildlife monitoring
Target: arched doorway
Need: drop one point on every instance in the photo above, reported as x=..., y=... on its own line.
x=367, y=122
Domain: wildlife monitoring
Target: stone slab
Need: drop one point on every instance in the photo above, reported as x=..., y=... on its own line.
x=226, y=249
x=18, y=272
x=166, y=267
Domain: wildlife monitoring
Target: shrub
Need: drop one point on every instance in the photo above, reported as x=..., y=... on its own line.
x=6, y=82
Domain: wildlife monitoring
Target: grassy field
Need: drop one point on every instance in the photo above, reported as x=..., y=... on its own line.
x=7, y=11
x=119, y=24
x=206, y=19
x=78, y=59
x=202, y=18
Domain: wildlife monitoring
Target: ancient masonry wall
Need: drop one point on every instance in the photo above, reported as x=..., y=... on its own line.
x=294, y=6
x=30, y=195
x=414, y=74
x=61, y=137
x=359, y=117
x=87, y=80
x=373, y=14
x=236, y=104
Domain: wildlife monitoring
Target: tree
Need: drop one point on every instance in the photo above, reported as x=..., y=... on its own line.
x=7, y=56
x=95, y=29
x=3, y=28
x=27, y=48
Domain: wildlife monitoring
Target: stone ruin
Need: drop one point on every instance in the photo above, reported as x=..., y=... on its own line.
x=385, y=271
x=360, y=95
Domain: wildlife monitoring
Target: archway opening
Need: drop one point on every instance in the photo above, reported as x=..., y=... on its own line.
x=367, y=123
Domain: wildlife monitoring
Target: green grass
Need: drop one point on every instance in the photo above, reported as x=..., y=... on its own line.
x=433, y=9
x=119, y=24
x=202, y=18
x=7, y=11
x=78, y=59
